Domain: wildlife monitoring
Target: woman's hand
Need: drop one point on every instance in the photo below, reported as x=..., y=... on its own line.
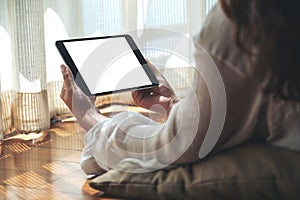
x=162, y=95
x=80, y=105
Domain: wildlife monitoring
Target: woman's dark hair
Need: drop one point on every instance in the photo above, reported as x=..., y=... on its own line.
x=273, y=27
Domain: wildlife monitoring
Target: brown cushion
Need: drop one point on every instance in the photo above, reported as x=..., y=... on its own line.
x=246, y=172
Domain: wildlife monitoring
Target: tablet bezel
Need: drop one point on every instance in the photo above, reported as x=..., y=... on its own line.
x=80, y=81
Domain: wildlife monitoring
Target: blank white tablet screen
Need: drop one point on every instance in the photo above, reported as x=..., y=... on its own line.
x=107, y=65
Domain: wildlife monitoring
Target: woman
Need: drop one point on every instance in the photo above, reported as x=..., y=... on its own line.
x=254, y=45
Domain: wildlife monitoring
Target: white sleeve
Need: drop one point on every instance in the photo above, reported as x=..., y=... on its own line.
x=132, y=137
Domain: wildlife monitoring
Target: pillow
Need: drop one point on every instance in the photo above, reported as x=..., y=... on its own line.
x=253, y=171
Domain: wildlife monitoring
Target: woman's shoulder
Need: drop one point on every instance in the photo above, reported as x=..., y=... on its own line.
x=217, y=38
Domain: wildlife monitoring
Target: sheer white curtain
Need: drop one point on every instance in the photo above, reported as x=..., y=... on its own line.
x=62, y=20
x=6, y=67
x=30, y=73
x=23, y=73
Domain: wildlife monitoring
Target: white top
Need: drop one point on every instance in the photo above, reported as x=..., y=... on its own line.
x=226, y=106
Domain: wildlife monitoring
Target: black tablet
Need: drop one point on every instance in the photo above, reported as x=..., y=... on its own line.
x=104, y=65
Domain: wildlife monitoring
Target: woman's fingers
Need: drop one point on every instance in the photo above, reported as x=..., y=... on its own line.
x=67, y=75
x=68, y=86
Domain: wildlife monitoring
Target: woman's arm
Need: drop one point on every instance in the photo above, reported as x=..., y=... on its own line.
x=80, y=105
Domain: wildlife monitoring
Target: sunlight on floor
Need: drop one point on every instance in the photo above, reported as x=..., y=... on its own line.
x=49, y=169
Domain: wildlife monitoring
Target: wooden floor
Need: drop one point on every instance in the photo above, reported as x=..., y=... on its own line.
x=47, y=169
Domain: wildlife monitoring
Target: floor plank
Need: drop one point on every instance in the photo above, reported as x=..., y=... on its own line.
x=47, y=168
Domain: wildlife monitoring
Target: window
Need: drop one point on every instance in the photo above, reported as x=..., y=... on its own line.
x=102, y=17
